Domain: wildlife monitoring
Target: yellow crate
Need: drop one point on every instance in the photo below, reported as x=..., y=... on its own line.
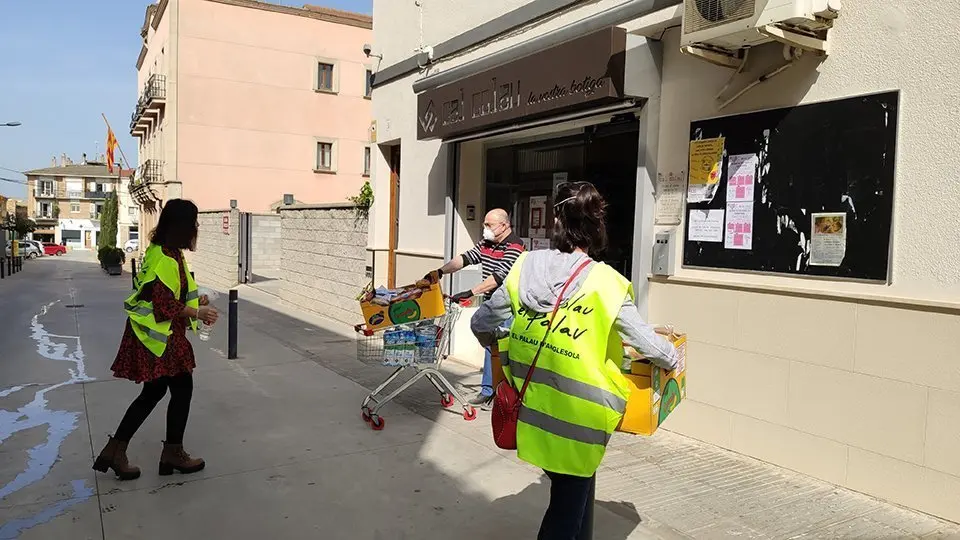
x=427, y=306
x=654, y=392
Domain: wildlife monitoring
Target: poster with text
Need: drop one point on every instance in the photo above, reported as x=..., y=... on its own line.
x=706, y=159
x=538, y=212
x=828, y=244
x=741, y=177
x=669, y=199
x=705, y=226
x=739, y=231
x=559, y=178
x=540, y=243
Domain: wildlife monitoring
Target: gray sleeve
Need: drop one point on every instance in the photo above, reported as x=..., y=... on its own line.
x=642, y=337
x=490, y=316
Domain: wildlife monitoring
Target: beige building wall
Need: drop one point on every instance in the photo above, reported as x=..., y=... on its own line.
x=243, y=115
x=854, y=383
x=250, y=114
x=850, y=382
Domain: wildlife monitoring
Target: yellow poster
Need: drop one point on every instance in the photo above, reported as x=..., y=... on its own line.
x=706, y=158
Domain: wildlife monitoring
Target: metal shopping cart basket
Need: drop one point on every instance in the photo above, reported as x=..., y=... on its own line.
x=391, y=346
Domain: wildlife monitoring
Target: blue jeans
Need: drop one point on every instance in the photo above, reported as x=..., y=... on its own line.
x=486, y=380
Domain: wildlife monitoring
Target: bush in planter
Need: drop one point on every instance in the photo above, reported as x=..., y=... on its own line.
x=111, y=258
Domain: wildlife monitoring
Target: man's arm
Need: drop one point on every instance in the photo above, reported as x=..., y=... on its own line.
x=455, y=265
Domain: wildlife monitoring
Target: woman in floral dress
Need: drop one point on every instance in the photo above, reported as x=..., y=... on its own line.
x=176, y=230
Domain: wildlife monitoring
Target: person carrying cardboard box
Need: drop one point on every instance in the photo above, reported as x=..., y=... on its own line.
x=567, y=367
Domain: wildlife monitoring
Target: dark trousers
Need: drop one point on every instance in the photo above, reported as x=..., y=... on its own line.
x=570, y=514
x=181, y=392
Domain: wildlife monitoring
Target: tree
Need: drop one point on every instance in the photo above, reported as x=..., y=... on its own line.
x=20, y=225
x=109, y=222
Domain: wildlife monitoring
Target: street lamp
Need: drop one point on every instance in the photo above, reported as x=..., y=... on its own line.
x=10, y=124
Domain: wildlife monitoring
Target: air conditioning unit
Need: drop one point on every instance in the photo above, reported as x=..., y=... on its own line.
x=731, y=25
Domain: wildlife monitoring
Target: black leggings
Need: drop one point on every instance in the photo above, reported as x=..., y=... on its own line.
x=181, y=392
x=570, y=514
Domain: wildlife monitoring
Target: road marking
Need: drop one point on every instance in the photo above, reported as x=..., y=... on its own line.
x=60, y=424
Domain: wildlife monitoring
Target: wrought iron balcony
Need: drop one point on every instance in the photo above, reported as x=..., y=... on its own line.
x=149, y=172
x=95, y=195
x=152, y=99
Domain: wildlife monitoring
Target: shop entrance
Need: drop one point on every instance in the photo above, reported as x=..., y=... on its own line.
x=521, y=179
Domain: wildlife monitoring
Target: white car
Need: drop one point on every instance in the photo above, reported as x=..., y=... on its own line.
x=27, y=250
x=132, y=245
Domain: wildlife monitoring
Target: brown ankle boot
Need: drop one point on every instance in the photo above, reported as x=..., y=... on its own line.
x=175, y=458
x=114, y=456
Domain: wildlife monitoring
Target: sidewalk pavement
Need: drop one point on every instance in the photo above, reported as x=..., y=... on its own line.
x=668, y=486
x=289, y=457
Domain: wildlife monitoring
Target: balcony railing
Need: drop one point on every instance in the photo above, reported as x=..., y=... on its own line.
x=154, y=93
x=74, y=194
x=45, y=194
x=150, y=171
x=95, y=194
x=95, y=215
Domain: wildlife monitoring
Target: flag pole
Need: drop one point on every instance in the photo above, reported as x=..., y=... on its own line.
x=124, y=156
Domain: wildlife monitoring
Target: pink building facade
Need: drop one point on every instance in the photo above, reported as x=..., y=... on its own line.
x=248, y=100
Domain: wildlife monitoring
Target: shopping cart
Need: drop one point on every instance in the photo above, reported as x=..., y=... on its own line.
x=426, y=363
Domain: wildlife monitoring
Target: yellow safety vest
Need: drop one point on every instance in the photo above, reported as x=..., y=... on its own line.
x=157, y=265
x=577, y=394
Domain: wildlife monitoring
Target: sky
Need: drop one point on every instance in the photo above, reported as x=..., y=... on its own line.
x=62, y=64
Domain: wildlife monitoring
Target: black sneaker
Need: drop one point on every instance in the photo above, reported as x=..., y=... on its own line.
x=483, y=401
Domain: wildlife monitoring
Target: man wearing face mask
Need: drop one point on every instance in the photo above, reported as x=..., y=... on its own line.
x=495, y=254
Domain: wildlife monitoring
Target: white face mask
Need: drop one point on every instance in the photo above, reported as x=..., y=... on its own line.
x=488, y=234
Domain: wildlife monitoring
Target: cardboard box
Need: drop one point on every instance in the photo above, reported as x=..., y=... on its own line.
x=654, y=392
x=422, y=300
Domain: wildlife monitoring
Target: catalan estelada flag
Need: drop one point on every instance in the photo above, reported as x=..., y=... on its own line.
x=111, y=144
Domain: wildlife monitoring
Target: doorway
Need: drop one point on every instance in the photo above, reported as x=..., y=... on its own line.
x=394, y=158
x=522, y=178
x=86, y=239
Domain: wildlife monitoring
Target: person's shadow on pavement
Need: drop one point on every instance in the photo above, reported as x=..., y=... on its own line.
x=612, y=520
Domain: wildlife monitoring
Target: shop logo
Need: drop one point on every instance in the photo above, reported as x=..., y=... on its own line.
x=375, y=319
x=428, y=122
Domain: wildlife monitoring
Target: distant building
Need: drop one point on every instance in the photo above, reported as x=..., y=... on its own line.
x=249, y=100
x=66, y=200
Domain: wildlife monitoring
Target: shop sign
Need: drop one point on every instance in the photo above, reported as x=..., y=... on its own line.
x=584, y=72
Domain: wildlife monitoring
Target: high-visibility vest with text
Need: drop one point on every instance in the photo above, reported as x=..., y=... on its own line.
x=157, y=265
x=577, y=394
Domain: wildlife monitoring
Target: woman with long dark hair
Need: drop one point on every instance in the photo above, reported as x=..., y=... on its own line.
x=154, y=349
x=577, y=395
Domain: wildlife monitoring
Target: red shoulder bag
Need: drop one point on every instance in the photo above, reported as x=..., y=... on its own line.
x=506, y=400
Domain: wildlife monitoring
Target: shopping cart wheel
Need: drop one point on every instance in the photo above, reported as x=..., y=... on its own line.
x=376, y=423
x=364, y=415
x=469, y=414
x=446, y=400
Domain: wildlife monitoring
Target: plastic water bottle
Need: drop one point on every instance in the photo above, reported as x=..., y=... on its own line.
x=204, y=329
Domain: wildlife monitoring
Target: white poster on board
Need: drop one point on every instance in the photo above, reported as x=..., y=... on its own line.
x=705, y=226
x=828, y=246
x=739, y=232
x=741, y=177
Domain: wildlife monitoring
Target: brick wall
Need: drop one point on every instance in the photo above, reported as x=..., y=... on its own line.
x=323, y=259
x=215, y=261
x=265, y=248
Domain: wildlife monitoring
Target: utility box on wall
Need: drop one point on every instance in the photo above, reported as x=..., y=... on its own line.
x=663, y=253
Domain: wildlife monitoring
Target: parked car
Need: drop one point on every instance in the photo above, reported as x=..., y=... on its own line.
x=54, y=249
x=27, y=249
x=132, y=245
x=36, y=244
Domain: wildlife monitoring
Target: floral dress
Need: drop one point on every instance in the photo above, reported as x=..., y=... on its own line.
x=134, y=361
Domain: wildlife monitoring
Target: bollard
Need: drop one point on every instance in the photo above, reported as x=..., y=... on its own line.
x=20, y=264
x=2, y=270
x=10, y=266
x=133, y=273
x=232, y=325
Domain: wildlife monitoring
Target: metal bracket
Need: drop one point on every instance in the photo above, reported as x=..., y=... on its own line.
x=714, y=56
x=796, y=39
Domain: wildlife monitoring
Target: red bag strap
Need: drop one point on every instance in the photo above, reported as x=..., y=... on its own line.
x=556, y=307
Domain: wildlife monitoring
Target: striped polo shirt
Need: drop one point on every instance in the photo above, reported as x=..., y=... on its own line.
x=495, y=259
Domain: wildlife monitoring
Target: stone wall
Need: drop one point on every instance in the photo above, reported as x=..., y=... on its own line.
x=215, y=261
x=265, y=245
x=323, y=259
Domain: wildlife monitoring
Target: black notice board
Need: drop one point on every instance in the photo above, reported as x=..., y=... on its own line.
x=835, y=156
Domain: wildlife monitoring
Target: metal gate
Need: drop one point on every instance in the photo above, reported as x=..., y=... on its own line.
x=244, y=263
